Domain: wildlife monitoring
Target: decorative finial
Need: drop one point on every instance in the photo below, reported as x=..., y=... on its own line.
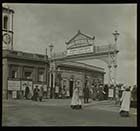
x=116, y=34
x=78, y=31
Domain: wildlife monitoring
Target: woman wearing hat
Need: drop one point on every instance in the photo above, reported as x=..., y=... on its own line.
x=76, y=102
x=125, y=102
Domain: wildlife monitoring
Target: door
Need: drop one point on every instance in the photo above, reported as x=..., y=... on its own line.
x=71, y=88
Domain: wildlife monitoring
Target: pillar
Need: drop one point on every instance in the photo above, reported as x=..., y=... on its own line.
x=5, y=79
x=109, y=75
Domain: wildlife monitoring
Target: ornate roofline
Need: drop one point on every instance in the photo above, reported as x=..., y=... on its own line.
x=79, y=32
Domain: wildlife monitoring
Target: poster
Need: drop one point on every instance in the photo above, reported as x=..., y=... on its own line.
x=13, y=85
x=14, y=94
x=110, y=94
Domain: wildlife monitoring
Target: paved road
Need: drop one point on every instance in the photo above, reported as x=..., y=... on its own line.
x=58, y=113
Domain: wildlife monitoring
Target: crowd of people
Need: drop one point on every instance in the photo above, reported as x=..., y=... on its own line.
x=126, y=94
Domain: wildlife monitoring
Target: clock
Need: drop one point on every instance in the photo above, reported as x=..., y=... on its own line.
x=6, y=38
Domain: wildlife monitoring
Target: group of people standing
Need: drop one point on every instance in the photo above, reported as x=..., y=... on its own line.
x=61, y=92
x=37, y=93
x=125, y=99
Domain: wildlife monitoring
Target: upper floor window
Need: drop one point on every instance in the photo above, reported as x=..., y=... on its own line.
x=14, y=74
x=28, y=75
x=5, y=22
x=40, y=76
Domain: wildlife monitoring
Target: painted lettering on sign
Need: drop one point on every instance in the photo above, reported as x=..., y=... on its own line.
x=13, y=85
x=81, y=50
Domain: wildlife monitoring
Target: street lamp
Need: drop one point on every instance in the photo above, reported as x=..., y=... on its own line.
x=115, y=34
x=51, y=74
x=51, y=48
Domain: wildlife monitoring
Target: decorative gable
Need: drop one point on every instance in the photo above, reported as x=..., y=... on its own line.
x=80, y=40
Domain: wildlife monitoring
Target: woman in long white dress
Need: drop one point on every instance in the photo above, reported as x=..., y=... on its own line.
x=76, y=102
x=125, y=102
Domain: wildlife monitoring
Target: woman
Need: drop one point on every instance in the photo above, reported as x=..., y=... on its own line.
x=76, y=102
x=125, y=103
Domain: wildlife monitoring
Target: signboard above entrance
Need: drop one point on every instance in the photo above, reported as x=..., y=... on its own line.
x=80, y=50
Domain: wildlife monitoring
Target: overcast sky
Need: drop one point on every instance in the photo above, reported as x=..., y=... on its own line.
x=38, y=25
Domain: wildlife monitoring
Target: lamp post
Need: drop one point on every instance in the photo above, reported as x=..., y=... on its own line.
x=115, y=34
x=46, y=72
x=51, y=74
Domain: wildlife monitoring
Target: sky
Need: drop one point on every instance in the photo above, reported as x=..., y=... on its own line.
x=36, y=26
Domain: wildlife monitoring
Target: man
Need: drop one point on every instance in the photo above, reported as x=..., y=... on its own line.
x=86, y=93
x=27, y=90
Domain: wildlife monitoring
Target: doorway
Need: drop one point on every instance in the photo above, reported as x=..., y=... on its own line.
x=71, y=88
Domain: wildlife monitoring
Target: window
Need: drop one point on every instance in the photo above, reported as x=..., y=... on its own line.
x=14, y=74
x=28, y=75
x=5, y=22
x=41, y=76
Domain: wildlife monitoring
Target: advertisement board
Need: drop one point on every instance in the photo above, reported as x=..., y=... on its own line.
x=110, y=93
x=13, y=85
x=80, y=50
x=14, y=94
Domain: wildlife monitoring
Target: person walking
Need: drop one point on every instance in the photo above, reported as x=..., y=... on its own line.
x=125, y=103
x=40, y=93
x=76, y=102
x=56, y=91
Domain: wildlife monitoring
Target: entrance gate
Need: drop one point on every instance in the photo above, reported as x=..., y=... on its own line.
x=83, y=47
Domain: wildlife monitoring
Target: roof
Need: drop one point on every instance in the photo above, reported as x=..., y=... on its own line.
x=79, y=33
x=24, y=55
x=82, y=66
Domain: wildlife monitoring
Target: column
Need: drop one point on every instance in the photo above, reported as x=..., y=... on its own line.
x=5, y=79
x=35, y=74
x=109, y=75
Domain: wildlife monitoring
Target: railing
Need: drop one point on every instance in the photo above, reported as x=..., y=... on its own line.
x=105, y=48
x=59, y=55
x=97, y=49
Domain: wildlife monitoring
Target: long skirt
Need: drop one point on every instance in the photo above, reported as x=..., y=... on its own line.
x=76, y=106
x=124, y=113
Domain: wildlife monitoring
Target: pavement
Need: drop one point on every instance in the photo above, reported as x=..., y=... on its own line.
x=107, y=105
x=57, y=112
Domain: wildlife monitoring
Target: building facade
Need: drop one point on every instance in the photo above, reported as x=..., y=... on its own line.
x=72, y=72
x=22, y=69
